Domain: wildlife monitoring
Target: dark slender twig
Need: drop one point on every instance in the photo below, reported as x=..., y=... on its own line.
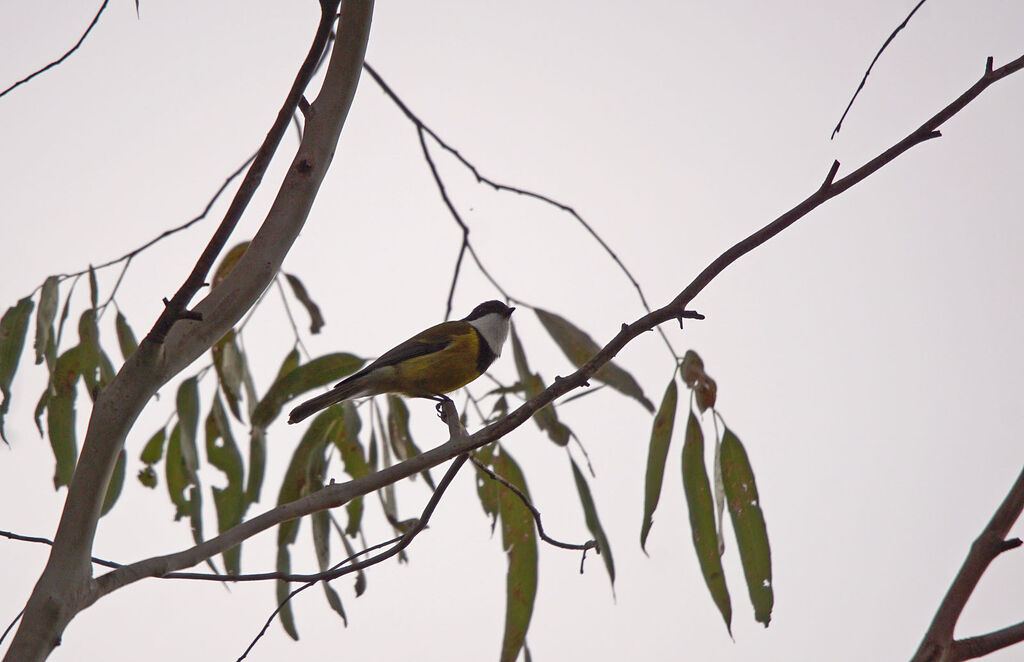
x=974, y=647
x=868, y=72
x=403, y=542
x=990, y=544
x=497, y=186
x=10, y=626
x=176, y=307
x=62, y=57
x=291, y=318
x=590, y=544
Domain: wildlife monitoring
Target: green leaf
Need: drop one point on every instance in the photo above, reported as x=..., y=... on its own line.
x=486, y=487
x=321, y=544
x=44, y=321
x=545, y=417
x=316, y=320
x=296, y=484
x=228, y=262
x=593, y=523
x=657, y=454
x=702, y=518
x=519, y=539
x=125, y=336
x=89, y=352
x=177, y=476
x=188, y=418
x=257, y=464
x=65, y=311
x=94, y=290
x=748, y=523
x=230, y=367
x=147, y=476
x=401, y=438
x=60, y=414
x=316, y=373
x=229, y=502
x=579, y=348
x=13, y=328
x=115, y=485
x=284, y=565
x=345, y=436
x=154, y=448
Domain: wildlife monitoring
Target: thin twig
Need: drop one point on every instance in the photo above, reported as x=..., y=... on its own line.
x=291, y=318
x=497, y=186
x=403, y=542
x=990, y=544
x=868, y=72
x=10, y=626
x=590, y=544
x=62, y=57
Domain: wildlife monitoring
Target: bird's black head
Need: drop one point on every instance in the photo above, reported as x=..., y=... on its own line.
x=488, y=307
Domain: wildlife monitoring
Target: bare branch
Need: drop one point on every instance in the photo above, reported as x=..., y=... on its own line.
x=423, y=128
x=62, y=57
x=938, y=640
x=340, y=493
x=972, y=647
x=868, y=72
x=590, y=544
x=343, y=569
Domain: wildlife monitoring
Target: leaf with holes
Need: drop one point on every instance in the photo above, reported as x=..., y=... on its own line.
x=748, y=523
x=702, y=518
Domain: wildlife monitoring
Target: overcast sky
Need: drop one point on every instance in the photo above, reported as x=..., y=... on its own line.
x=869, y=357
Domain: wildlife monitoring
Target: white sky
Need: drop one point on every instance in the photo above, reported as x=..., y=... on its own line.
x=869, y=357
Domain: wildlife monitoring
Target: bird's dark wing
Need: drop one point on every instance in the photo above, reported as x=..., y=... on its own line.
x=432, y=340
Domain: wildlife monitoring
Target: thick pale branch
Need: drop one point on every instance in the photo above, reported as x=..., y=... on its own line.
x=65, y=586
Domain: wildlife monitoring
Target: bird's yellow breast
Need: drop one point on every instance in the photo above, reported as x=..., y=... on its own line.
x=442, y=371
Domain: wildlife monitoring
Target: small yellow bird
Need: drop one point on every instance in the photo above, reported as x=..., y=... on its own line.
x=434, y=362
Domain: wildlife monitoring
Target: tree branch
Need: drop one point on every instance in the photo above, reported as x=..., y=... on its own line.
x=340, y=493
x=938, y=640
x=65, y=586
x=62, y=57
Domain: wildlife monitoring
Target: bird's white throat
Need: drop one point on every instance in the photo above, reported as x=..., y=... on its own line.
x=494, y=328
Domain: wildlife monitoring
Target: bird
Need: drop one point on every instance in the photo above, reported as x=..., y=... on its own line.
x=433, y=362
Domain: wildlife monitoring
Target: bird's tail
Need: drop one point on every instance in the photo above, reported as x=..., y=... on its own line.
x=346, y=390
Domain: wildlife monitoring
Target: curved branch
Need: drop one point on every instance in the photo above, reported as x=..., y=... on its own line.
x=340, y=493
x=65, y=586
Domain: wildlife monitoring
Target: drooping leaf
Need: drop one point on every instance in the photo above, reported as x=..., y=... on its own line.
x=296, y=483
x=519, y=539
x=154, y=448
x=593, y=523
x=702, y=518
x=176, y=474
x=706, y=393
x=45, y=316
x=316, y=320
x=579, y=348
x=316, y=373
x=400, y=436
x=60, y=414
x=657, y=454
x=692, y=368
x=321, y=540
x=188, y=419
x=546, y=418
x=65, y=311
x=748, y=523
x=360, y=583
x=229, y=261
x=115, y=485
x=486, y=487
x=230, y=367
x=345, y=436
x=229, y=501
x=257, y=464
x=89, y=352
x=283, y=588
x=13, y=328
x=94, y=290
x=125, y=336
